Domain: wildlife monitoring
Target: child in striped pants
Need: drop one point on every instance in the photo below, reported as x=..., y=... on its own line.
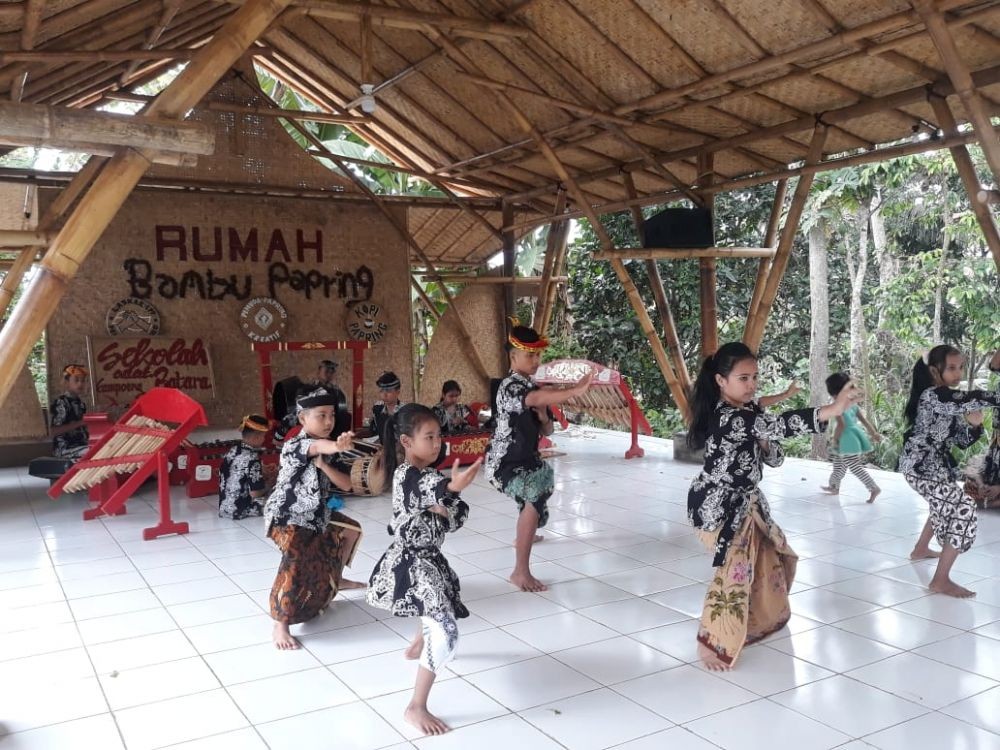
x=850, y=443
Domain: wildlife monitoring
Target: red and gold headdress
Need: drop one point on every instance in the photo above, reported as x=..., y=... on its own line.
x=253, y=422
x=71, y=370
x=524, y=338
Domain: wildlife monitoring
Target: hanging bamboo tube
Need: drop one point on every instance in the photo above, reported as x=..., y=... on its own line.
x=770, y=238
x=582, y=201
x=540, y=318
x=755, y=326
x=113, y=185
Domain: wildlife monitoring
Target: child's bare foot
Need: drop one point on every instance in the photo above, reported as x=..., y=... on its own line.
x=527, y=582
x=875, y=493
x=711, y=659
x=424, y=720
x=924, y=553
x=283, y=640
x=413, y=650
x=831, y=490
x=949, y=588
x=348, y=585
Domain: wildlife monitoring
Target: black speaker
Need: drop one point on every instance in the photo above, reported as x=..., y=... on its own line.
x=680, y=227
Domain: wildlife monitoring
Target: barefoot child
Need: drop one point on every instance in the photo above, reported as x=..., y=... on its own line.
x=850, y=443
x=513, y=464
x=316, y=543
x=754, y=566
x=69, y=432
x=939, y=418
x=241, y=475
x=453, y=416
x=413, y=578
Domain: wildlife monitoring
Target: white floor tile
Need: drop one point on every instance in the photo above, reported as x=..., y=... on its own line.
x=531, y=683
x=495, y=734
x=583, y=592
x=852, y=707
x=979, y=710
x=355, y=642
x=180, y=719
x=71, y=664
x=114, y=604
x=489, y=649
x=754, y=726
x=878, y=590
x=517, y=607
x=240, y=739
x=134, y=687
x=632, y=615
x=968, y=651
x=257, y=662
x=827, y=606
x=897, y=628
x=582, y=722
x=677, y=738
x=934, y=731
x=959, y=613
x=484, y=585
x=287, y=695
x=213, y=610
x=354, y=726
x=833, y=649
x=37, y=704
x=616, y=660
x=95, y=731
x=455, y=702
x=645, y=581
x=765, y=671
x=130, y=653
x=379, y=675
x=688, y=600
x=600, y=563
x=127, y=625
x=678, y=640
x=921, y=680
x=42, y=639
x=559, y=631
x=222, y=636
x=684, y=694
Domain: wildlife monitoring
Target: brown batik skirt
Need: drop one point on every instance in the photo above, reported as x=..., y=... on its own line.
x=311, y=567
x=747, y=599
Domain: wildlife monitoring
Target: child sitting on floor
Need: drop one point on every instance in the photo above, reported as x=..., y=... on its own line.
x=453, y=416
x=241, y=475
x=70, y=437
x=316, y=542
x=413, y=578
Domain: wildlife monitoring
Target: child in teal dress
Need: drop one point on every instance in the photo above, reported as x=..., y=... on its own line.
x=850, y=443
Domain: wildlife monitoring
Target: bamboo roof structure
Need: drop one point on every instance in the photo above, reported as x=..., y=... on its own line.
x=635, y=86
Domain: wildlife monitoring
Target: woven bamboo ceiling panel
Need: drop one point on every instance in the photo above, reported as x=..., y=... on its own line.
x=612, y=85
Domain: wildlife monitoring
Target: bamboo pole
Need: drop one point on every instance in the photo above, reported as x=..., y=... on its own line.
x=673, y=342
x=683, y=253
x=540, y=318
x=965, y=87
x=770, y=238
x=755, y=327
x=113, y=185
x=707, y=277
x=509, y=259
x=561, y=230
x=428, y=303
x=580, y=197
x=967, y=171
x=12, y=279
x=29, y=31
x=464, y=278
x=24, y=237
x=97, y=55
x=304, y=115
x=167, y=14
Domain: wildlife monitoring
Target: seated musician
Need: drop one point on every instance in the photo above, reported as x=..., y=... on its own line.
x=69, y=432
x=316, y=542
x=453, y=416
x=241, y=475
x=388, y=404
x=325, y=371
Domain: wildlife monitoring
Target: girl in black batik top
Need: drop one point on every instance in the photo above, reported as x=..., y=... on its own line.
x=453, y=416
x=413, y=578
x=940, y=418
x=70, y=437
x=241, y=475
x=748, y=597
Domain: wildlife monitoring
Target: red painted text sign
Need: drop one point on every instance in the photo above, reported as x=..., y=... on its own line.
x=121, y=369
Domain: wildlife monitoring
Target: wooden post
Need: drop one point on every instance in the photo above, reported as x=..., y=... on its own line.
x=509, y=258
x=755, y=327
x=965, y=87
x=967, y=171
x=770, y=237
x=580, y=198
x=670, y=336
x=428, y=302
x=554, y=245
x=114, y=183
x=707, y=278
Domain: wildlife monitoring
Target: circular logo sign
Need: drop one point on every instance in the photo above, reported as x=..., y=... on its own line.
x=264, y=319
x=133, y=316
x=365, y=322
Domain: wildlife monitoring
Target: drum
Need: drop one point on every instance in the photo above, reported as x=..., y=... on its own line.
x=367, y=468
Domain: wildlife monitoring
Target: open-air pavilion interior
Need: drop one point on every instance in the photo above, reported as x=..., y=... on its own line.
x=210, y=193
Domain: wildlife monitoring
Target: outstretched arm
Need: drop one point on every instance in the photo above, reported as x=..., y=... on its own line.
x=555, y=396
x=777, y=398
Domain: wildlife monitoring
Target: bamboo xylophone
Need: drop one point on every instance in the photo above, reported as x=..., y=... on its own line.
x=117, y=450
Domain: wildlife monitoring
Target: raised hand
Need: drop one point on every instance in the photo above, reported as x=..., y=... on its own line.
x=793, y=388
x=583, y=384
x=975, y=418
x=462, y=478
x=345, y=441
x=848, y=396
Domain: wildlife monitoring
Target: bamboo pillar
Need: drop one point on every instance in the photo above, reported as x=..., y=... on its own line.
x=659, y=293
x=755, y=326
x=967, y=171
x=580, y=198
x=116, y=180
x=552, y=250
x=770, y=237
x=707, y=278
x=428, y=302
x=965, y=87
x=509, y=257
x=561, y=231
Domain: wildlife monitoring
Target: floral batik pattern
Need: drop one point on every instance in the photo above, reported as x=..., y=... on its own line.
x=240, y=475
x=66, y=409
x=455, y=420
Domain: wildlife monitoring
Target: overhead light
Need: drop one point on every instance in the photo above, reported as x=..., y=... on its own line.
x=367, y=99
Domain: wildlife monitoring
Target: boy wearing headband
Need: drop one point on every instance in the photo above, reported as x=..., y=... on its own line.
x=69, y=432
x=513, y=463
x=316, y=542
x=388, y=404
x=241, y=475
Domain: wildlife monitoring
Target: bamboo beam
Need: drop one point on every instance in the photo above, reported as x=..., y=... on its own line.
x=707, y=276
x=754, y=332
x=82, y=130
x=114, y=183
x=95, y=56
x=22, y=238
x=770, y=238
x=509, y=259
x=967, y=172
x=557, y=235
x=29, y=32
x=303, y=115
x=12, y=279
x=673, y=341
x=683, y=253
x=461, y=59
x=167, y=14
x=464, y=278
x=422, y=295
x=965, y=87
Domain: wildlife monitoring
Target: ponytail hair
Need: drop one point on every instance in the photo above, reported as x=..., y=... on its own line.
x=406, y=421
x=706, y=394
x=923, y=378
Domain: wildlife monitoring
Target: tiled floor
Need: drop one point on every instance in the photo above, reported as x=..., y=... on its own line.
x=109, y=641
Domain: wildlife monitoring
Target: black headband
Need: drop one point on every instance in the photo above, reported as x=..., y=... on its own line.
x=320, y=397
x=388, y=381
